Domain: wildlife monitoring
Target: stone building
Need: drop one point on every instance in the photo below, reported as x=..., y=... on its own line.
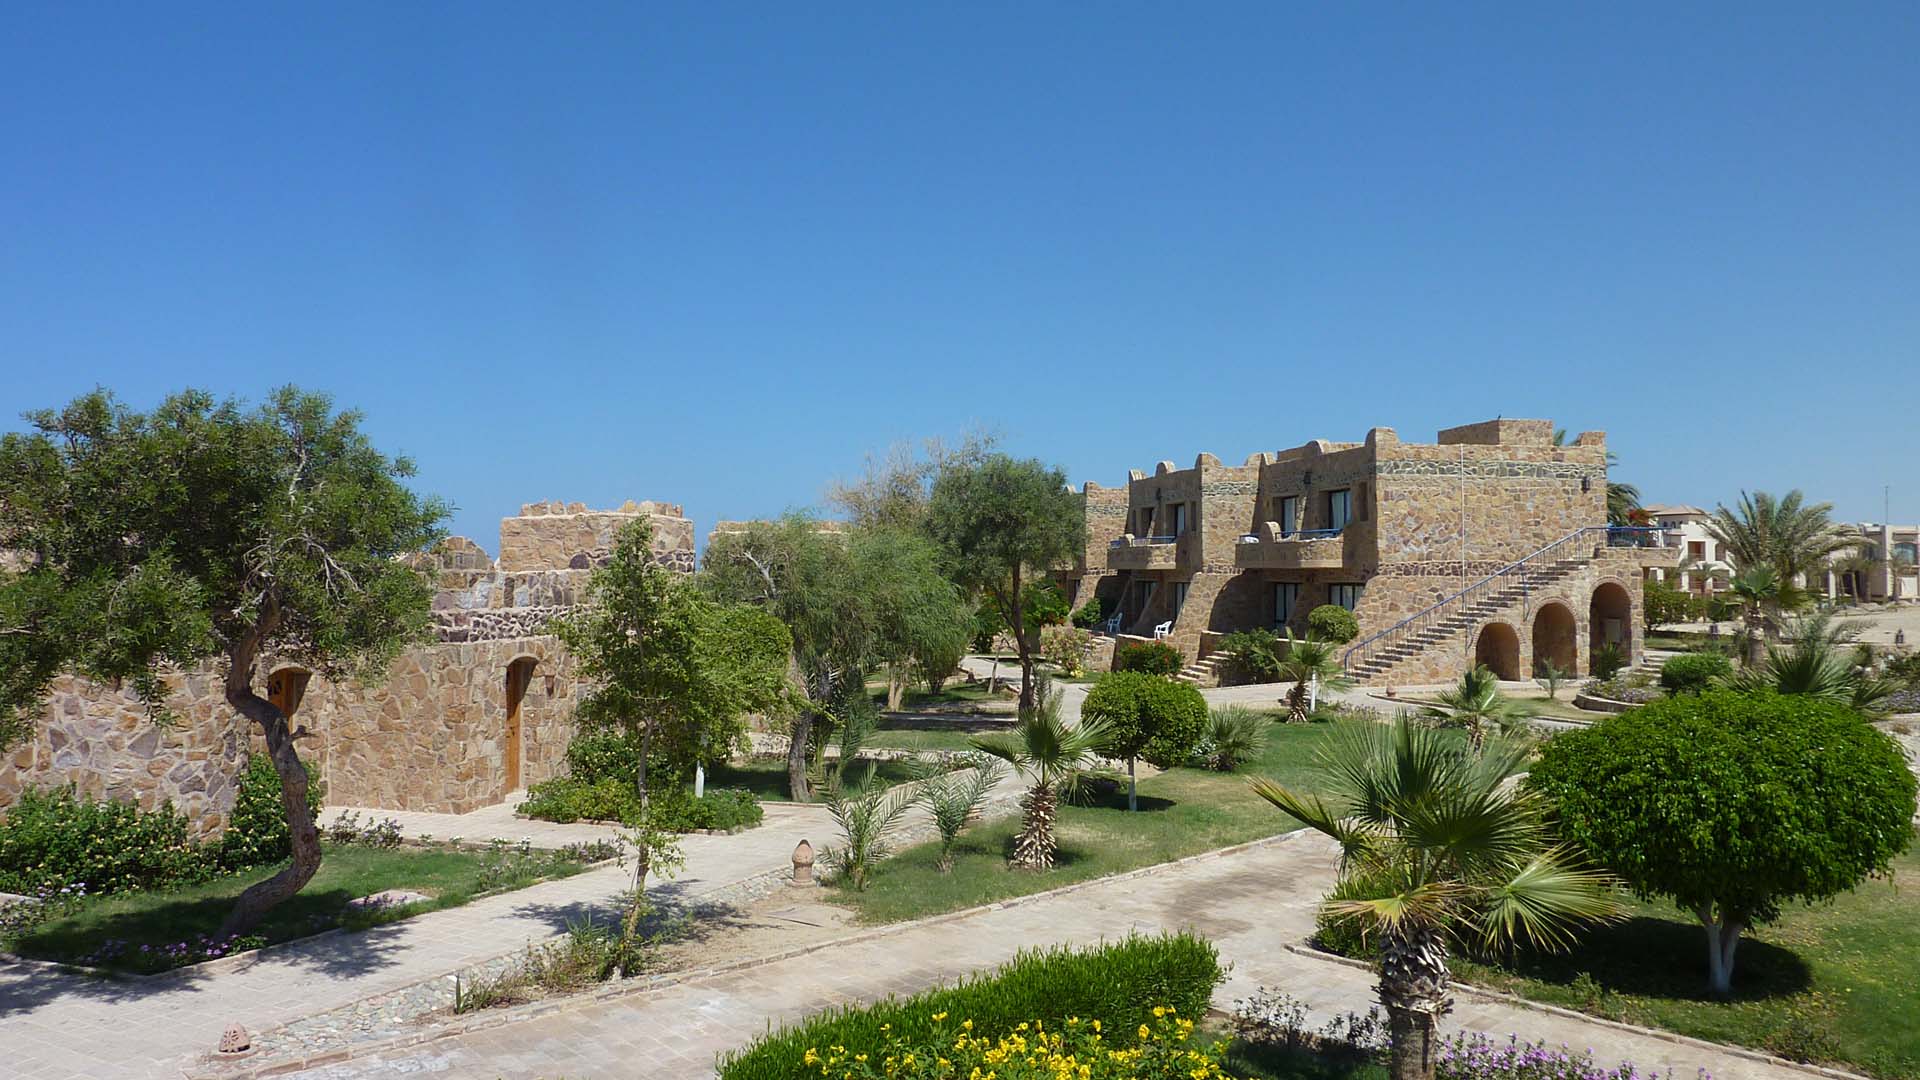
x=454, y=725
x=1490, y=545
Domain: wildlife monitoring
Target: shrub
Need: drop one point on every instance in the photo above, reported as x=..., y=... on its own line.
x=1043, y=604
x=1608, y=661
x=566, y=800
x=1120, y=984
x=1152, y=657
x=1662, y=603
x=1255, y=654
x=1331, y=622
x=1759, y=799
x=257, y=831
x=674, y=808
x=1065, y=647
x=57, y=838
x=1076, y=1048
x=1234, y=734
x=1090, y=614
x=1690, y=673
x=1905, y=668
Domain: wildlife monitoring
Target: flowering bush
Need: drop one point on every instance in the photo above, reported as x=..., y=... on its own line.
x=1477, y=1057
x=48, y=902
x=257, y=831
x=58, y=838
x=1073, y=1049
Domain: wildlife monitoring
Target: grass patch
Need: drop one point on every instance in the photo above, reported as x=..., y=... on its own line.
x=922, y=739
x=449, y=876
x=767, y=777
x=1681, y=640
x=1182, y=812
x=1252, y=1062
x=1832, y=983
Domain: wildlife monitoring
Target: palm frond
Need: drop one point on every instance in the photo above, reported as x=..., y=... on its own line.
x=1546, y=900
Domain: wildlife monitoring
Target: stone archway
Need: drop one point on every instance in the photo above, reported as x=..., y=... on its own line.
x=1610, y=620
x=1499, y=649
x=1554, y=636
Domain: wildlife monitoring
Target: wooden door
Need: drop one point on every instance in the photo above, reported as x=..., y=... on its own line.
x=519, y=676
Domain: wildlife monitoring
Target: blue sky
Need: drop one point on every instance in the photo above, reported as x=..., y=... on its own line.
x=713, y=257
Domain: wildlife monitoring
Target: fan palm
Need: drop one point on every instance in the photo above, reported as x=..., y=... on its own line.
x=1048, y=754
x=1309, y=662
x=1476, y=704
x=1757, y=588
x=1820, y=664
x=1437, y=848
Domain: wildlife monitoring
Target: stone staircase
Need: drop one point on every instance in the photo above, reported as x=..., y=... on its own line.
x=1464, y=619
x=1203, y=672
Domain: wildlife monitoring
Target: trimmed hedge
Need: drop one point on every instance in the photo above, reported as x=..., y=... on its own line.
x=1118, y=984
x=675, y=809
x=1152, y=657
x=1691, y=673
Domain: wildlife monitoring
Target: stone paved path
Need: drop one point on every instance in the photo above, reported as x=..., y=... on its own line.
x=1252, y=904
x=55, y=1025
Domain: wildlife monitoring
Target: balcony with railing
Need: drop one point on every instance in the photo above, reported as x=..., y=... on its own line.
x=1299, y=549
x=1131, y=552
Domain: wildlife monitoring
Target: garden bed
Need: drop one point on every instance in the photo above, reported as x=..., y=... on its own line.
x=150, y=932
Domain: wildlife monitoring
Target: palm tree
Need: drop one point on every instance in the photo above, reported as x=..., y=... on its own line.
x=1758, y=589
x=1437, y=848
x=1476, y=704
x=1309, y=663
x=1820, y=664
x=1048, y=754
x=1856, y=569
x=1786, y=533
x=954, y=797
x=866, y=812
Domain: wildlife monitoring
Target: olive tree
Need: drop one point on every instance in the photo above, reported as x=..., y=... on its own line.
x=1146, y=716
x=207, y=532
x=998, y=522
x=1733, y=804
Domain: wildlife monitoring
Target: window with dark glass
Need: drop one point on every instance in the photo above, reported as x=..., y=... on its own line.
x=1339, y=508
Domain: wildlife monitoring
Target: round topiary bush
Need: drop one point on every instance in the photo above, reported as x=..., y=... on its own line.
x=1331, y=622
x=1147, y=717
x=1691, y=673
x=1151, y=657
x=1732, y=804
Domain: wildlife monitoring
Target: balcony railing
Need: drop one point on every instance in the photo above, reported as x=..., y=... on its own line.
x=1141, y=541
x=1144, y=553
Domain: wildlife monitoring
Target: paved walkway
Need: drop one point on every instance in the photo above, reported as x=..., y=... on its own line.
x=1251, y=904
x=57, y=1025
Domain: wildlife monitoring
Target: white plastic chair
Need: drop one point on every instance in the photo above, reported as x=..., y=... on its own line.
x=1112, y=626
x=1163, y=630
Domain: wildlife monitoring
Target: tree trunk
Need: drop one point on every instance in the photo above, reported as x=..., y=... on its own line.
x=1033, y=848
x=1410, y=1044
x=1133, y=799
x=1756, y=637
x=261, y=897
x=1021, y=646
x=896, y=687
x=797, y=756
x=1723, y=938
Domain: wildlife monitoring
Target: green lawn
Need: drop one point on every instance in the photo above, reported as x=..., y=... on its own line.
x=158, y=919
x=767, y=777
x=1183, y=812
x=1834, y=983
x=903, y=738
x=1680, y=640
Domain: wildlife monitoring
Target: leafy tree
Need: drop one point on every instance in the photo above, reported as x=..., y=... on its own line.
x=1146, y=716
x=1045, y=606
x=1309, y=663
x=1049, y=755
x=1437, y=845
x=1331, y=622
x=206, y=531
x=1663, y=604
x=1760, y=799
x=1476, y=704
x=805, y=577
x=998, y=521
x=917, y=614
x=893, y=488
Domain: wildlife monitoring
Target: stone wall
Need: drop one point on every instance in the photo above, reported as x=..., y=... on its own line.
x=432, y=734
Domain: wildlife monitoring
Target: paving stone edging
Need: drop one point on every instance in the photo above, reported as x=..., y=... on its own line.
x=208, y=1068
x=1732, y=1049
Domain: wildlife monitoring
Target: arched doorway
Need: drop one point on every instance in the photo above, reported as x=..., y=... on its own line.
x=1499, y=649
x=519, y=677
x=286, y=687
x=1610, y=620
x=1554, y=633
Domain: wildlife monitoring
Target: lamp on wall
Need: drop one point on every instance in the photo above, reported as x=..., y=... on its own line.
x=549, y=686
x=1586, y=484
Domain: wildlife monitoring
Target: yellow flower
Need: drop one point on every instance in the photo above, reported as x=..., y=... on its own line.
x=1159, y=1011
x=939, y=1016
x=1144, y=1033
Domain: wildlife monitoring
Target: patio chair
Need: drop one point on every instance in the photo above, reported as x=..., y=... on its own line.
x=1112, y=626
x=1163, y=630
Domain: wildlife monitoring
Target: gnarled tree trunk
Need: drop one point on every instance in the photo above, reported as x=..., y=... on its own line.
x=261, y=897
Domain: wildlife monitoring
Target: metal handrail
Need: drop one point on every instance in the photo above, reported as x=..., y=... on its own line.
x=1141, y=541
x=1617, y=536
